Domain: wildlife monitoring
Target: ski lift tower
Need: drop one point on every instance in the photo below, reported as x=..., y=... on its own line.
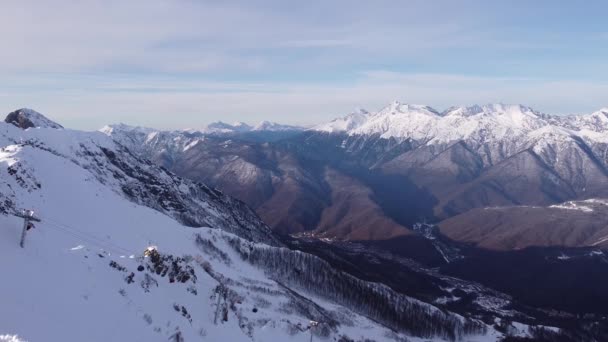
x=27, y=216
x=311, y=326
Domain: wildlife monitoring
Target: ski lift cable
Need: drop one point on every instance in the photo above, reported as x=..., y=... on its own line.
x=105, y=244
x=91, y=236
x=86, y=240
x=83, y=239
x=103, y=247
x=92, y=240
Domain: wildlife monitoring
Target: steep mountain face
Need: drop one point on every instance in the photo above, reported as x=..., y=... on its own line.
x=492, y=155
x=351, y=211
x=290, y=183
x=573, y=223
x=126, y=250
x=193, y=204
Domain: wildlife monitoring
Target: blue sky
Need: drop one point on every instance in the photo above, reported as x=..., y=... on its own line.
x=185, y=63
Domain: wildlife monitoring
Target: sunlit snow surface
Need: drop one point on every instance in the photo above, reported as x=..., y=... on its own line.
x=483, y=124
x=10, y=338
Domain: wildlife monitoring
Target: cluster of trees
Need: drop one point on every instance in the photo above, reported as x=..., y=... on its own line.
x=176, y=268
x=373, y=300
x=6, y=205
x=206, y=246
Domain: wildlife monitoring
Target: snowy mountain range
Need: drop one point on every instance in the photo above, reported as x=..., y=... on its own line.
x=127, y=251
x=487, y=123
x=220, y=127
x=494, y=178
x=126, y=242
x=215, y=128
x=485, y=156
x=464, y=157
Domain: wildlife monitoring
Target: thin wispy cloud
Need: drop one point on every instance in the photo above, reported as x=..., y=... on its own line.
x=94, y=62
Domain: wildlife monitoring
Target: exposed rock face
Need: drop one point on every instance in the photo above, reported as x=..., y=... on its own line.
x=26, y=118
x=301, y=184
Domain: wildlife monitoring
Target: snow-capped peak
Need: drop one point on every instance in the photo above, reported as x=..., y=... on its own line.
x=492, y=109
x=109, y=129
x=222, y=127
x=398, y=107
x=423, y=123
x=603, y=112
x=27, y=118
x=274, y=127
x=398, y=120
x=344, y=124
x=361, y=111
x=596, y=121
x=241, y=126
x=463, y=111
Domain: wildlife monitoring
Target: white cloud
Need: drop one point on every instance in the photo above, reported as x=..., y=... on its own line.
x=204, y=36
x=318, y=43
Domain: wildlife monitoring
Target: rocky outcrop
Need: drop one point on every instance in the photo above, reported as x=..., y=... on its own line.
x=26, y=118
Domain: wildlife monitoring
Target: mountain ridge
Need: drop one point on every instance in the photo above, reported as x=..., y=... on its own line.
x=463, y=157
x=491, y=121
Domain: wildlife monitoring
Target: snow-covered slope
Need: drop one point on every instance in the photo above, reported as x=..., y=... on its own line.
x=215, y=273
x=596, y=121
x=491, y=133
x=346, y=124
x=493, y=122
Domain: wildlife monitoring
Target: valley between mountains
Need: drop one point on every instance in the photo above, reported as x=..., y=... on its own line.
x=373, y=175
